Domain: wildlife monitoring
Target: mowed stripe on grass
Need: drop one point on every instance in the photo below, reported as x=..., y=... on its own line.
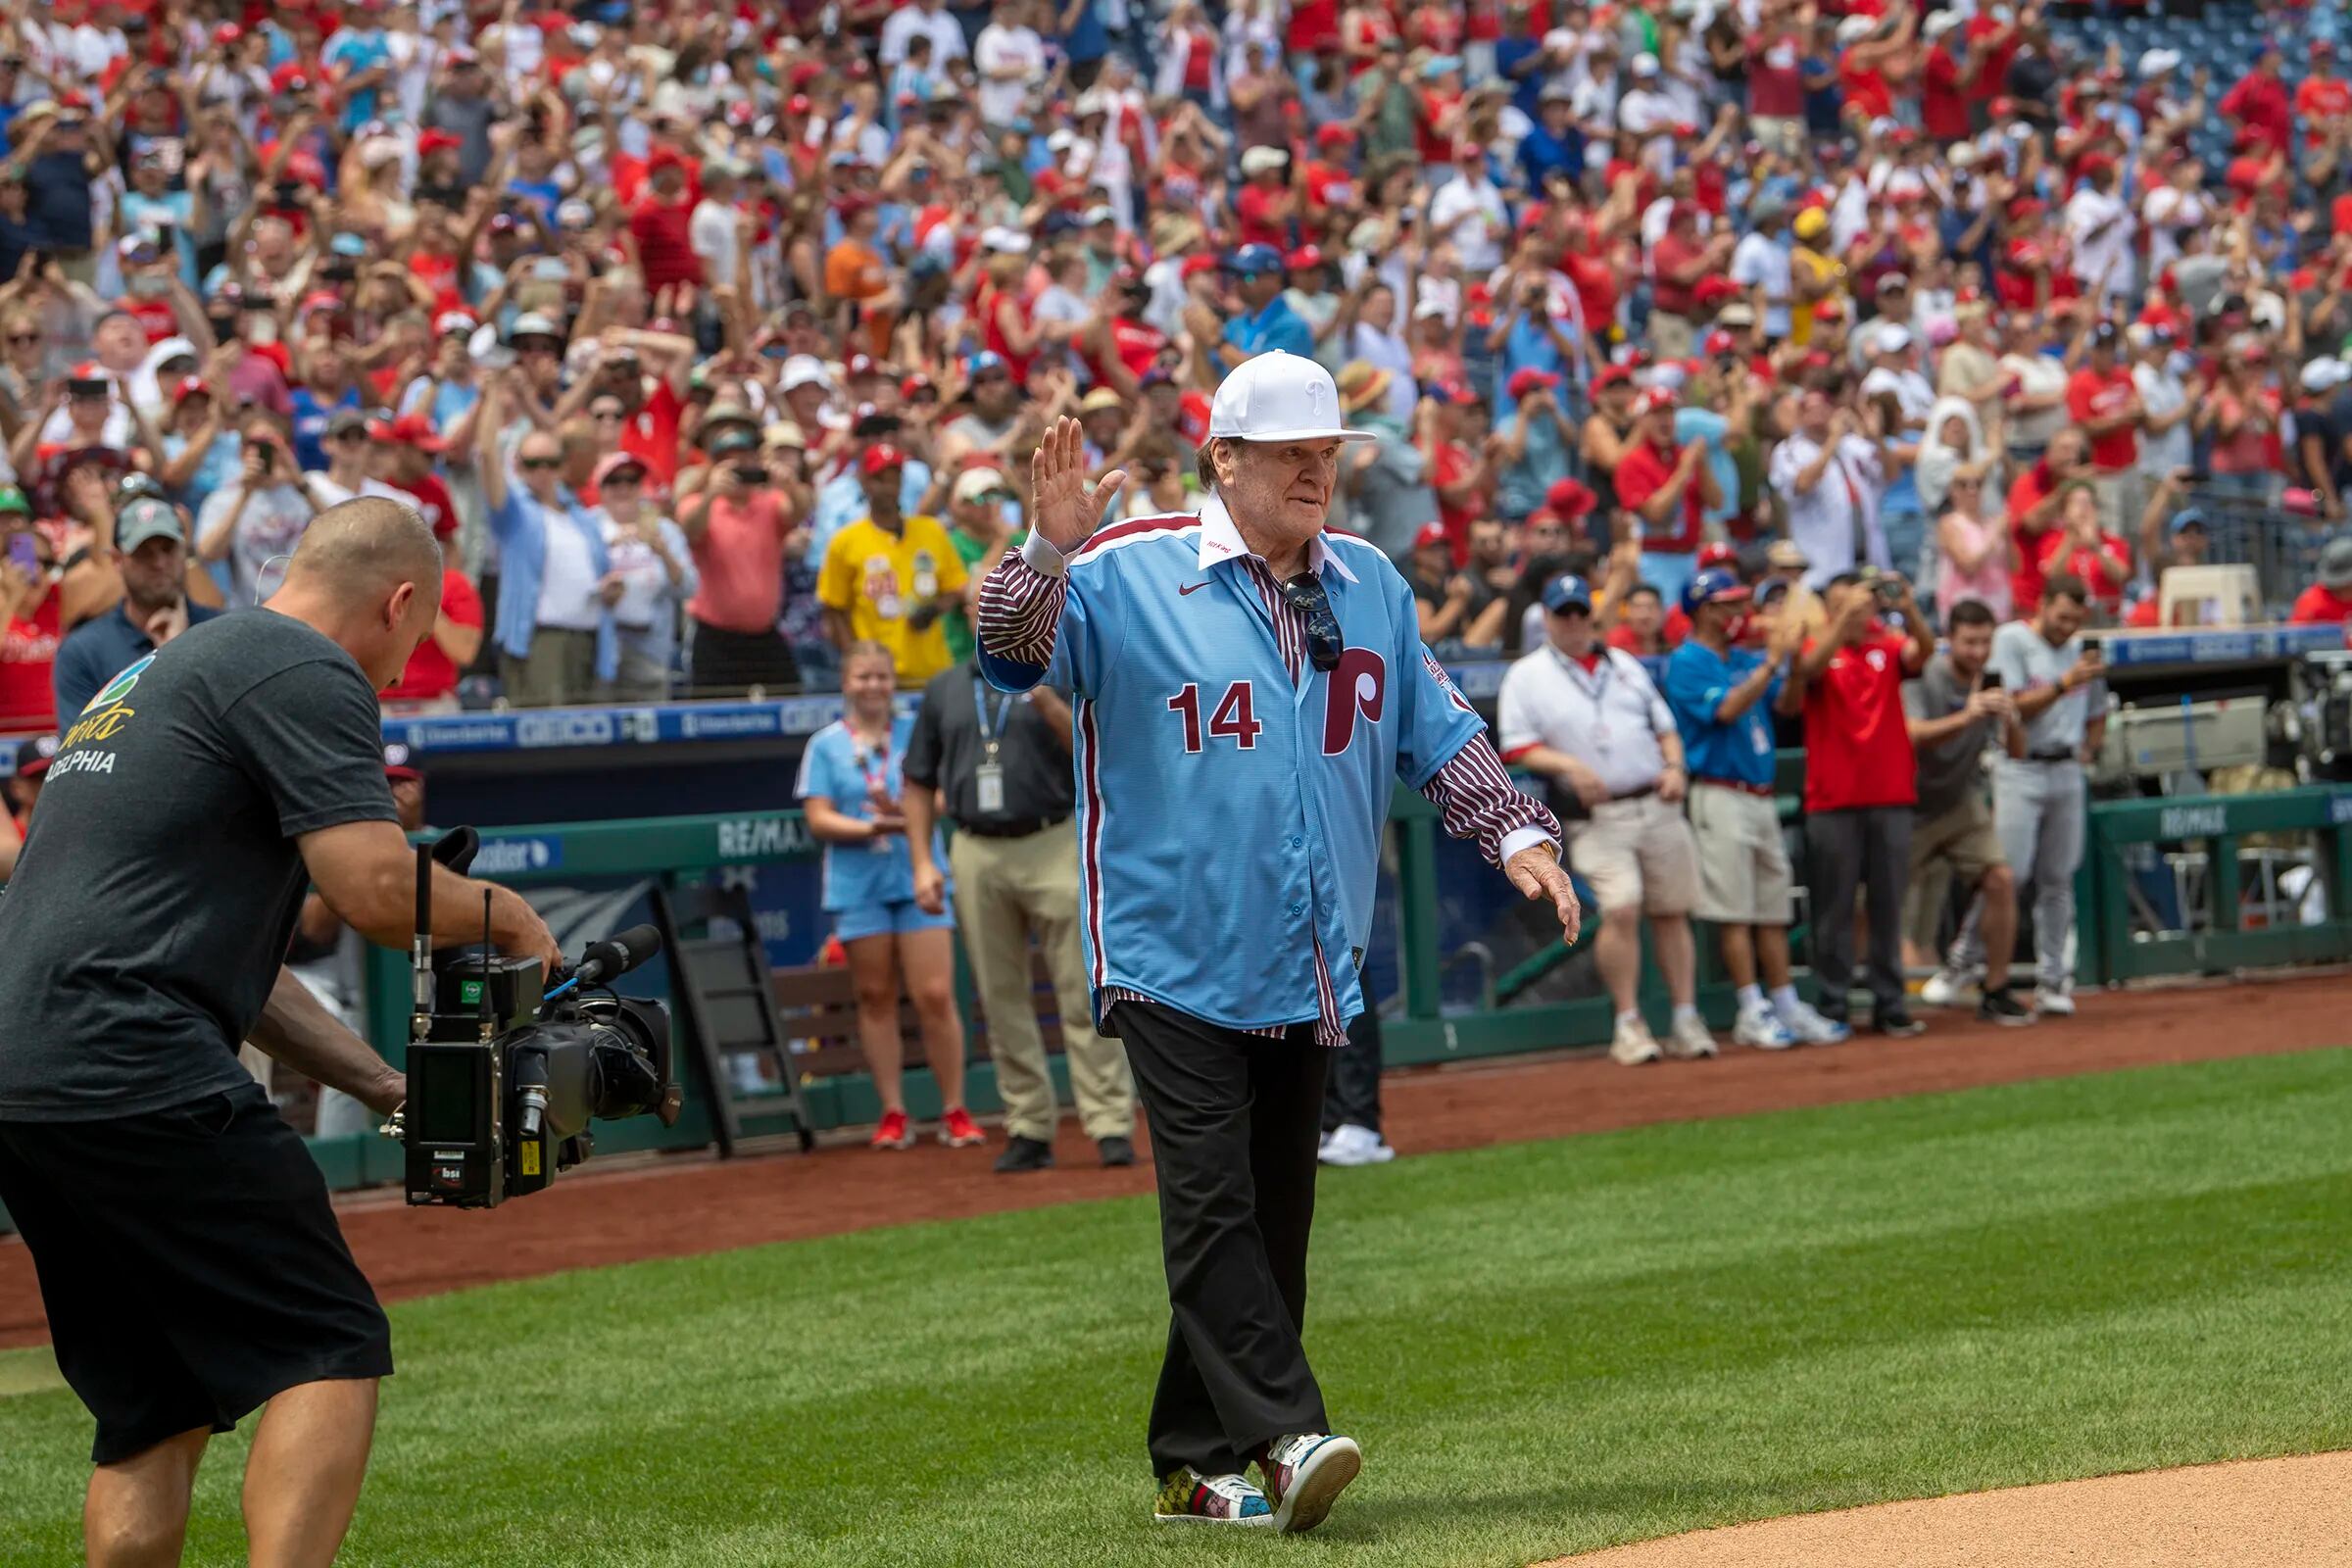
x=1543, y=1348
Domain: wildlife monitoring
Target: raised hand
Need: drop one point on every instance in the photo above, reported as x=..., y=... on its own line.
x=1065, y=507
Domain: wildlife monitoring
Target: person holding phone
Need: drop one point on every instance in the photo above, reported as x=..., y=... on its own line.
x=2040, y=806
x=257, y=516
x=31, y=600
x=1861, y=784
x=1955, y=710
x=740, y=529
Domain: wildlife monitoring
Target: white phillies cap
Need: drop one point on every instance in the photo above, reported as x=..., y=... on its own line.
x=1279, y=397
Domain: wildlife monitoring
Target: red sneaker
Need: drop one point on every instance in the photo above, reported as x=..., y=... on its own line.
x=893, y=1132
x=957, y=1130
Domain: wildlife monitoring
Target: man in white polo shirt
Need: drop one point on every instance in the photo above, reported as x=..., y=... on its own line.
x=1589, y=716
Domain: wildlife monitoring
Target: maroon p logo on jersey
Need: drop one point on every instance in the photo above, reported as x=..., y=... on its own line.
x=1358, y=684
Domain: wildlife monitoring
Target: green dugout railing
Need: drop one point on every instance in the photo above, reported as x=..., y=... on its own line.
x=2192, y=854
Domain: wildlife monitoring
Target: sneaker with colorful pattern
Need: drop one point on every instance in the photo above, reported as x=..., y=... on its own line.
x=1305, y=1474
x=1189, y=1497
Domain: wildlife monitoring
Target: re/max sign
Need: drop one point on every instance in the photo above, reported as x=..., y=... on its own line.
x=756, y=836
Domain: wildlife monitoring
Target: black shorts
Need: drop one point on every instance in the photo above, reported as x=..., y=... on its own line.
x=191, y=1264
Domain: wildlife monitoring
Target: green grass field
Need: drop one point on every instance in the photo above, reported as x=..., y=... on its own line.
x=1543, y=1349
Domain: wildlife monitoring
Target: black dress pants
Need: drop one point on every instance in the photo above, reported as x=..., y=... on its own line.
x=1352, y=1098
x=1235, y=1122
x=1865, y=850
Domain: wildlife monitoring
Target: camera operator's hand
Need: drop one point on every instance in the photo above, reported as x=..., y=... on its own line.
x=517, y=929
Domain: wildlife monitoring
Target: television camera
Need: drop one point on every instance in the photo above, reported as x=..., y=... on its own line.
x=506, y=1064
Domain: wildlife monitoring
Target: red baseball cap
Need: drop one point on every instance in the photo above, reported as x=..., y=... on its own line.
x=436, y=141
x=1522, y=382
x=416, y=430
x=1569, y=499
x=188, y=386
x=880, y=458
x=1303, y=258
x=1432, y=534
x=1610, y=376
x=1717, y=553
x=1658, y=399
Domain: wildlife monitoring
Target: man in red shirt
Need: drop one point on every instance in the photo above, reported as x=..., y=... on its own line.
x=1947, y=79
x=1332, y=192
x=2259, y=102
x=2322, y=96
x=1668, y=490
x=2328, y=601
x=1677, y=263
x=2102, y=398
x=1263, y=207
x=1861, y=783
x=2035, y=499
x=659, y=224
x=429, y=684
x=407, y=448
x=1461, y=477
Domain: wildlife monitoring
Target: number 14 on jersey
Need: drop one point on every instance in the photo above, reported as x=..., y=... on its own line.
x=1233, y=717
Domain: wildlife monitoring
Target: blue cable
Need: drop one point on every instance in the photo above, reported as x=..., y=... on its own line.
x=560, y=990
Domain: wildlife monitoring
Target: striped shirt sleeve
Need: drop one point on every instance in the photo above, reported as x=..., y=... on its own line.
x=1021, y=608
x=1477, y=801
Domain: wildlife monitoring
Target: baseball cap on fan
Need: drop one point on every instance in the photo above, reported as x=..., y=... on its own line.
x=1279, y=397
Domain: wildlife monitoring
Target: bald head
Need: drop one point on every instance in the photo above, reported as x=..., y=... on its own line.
x=364, y=547
x=366, y=574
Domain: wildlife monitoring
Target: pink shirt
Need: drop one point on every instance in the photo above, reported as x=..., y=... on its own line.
x=1989, y=584
x=741, y=559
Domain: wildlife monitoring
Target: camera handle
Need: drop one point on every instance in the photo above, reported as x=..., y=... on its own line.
x=530, y=1090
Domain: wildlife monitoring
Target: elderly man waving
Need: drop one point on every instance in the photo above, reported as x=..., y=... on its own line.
x=1248, y=688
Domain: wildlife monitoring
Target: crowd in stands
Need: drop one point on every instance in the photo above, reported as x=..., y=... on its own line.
x=714, y=340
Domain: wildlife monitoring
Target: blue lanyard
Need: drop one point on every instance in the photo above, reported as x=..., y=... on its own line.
x=991, y=725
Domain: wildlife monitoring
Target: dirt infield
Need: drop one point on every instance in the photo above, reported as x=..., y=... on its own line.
x=2262, y=1513
x=680, y=1205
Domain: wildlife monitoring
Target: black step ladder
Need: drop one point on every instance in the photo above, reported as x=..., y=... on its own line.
x=726, y=994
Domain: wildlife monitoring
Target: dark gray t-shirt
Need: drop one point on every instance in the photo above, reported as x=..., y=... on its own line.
x=160, y=883
x=1950, y=768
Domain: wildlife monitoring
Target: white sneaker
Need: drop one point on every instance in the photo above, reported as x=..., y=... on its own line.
x=1760, y=1030
x=1633, y=1045
x=1351, y=1144
x=1809, y=1028
x=2054, y=1003
x=1948, y=988
x=1688, y=1040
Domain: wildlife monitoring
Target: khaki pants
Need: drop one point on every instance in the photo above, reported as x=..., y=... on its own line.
x=558, y=671
x=1005, y=891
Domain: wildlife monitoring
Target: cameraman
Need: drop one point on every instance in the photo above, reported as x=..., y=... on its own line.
x=189, y=1261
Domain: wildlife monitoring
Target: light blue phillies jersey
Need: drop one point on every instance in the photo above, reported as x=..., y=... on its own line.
x=879, y=870
x=1227, y=818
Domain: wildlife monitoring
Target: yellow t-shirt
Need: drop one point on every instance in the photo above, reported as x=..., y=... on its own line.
x=879, y=578
x=1819, y=269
